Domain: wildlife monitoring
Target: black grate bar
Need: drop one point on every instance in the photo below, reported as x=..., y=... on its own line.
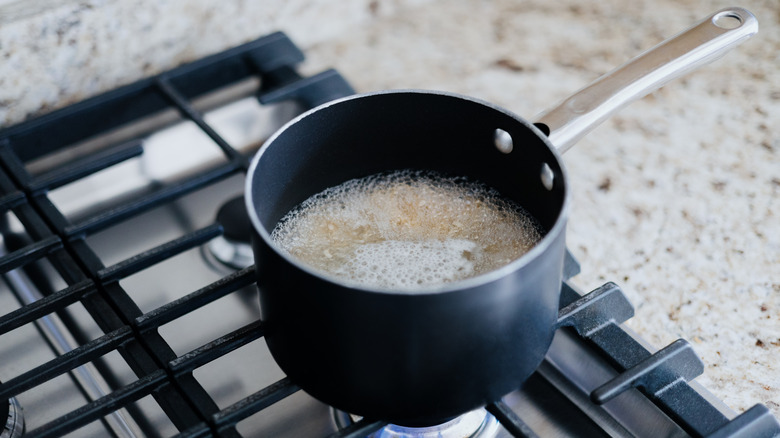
x=217, y=348
x=113, y=109
x=39, y=216
x=112, y=216
x=679, y=401
x=29, y=253
x=603, y=306
x=45, y=306
x=100, y=407
x=674, y=363
x=201, y=430
x=160, y=372
x=180, y=307
x=230, y=416
x=690, y=410
x=69, y=173
x=185, y=402
x=756, y=422
x=272, y=50
x=64, y=363
x=311, y=91
x=17, y=174
x=11, y=200
x=155, y=255
x=359, y=429
x=283, y=53
x=191, y=113
x=682, y=403
x=511, y=422
x=74, y=123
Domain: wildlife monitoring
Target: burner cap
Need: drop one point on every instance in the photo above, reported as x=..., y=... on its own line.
x=232, y=250
x=11, y=416
x=235, y=220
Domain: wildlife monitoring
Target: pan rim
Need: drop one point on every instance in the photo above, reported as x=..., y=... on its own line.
x=472, y=282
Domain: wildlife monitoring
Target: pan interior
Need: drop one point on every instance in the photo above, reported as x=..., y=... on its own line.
x=384, y=132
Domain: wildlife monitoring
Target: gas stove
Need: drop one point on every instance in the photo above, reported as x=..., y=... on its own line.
x=128, y=305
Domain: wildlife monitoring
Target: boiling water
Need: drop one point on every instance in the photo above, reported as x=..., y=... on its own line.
x=406, y=230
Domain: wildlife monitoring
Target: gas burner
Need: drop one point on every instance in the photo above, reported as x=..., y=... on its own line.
x=475, y=424
x=231, y=250
x=225, y=254
x=14, y=423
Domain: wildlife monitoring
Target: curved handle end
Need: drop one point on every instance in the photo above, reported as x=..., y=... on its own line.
x=703, y=43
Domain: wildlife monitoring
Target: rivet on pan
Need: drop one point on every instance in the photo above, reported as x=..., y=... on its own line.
x=503, y=141
x=547, y=176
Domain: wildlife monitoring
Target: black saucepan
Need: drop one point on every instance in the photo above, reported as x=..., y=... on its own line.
x=421, y=358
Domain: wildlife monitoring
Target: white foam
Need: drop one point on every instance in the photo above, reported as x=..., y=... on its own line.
x=408, y=265
x=406, y=230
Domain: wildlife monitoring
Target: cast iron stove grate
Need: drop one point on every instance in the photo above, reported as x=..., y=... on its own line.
x=39, y=232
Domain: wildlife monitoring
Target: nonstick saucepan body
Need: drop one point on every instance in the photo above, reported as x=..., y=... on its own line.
x=410, y=357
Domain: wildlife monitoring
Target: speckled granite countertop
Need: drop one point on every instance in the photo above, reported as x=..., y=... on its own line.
x=676, y=199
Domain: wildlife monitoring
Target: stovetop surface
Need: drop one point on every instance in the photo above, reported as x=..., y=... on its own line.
x=116, y=317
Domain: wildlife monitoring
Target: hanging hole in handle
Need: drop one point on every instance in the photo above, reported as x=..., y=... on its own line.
x=547, y=176
x=727, y=20
x=503, y=141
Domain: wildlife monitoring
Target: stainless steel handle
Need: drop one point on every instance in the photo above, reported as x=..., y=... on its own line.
x=701, y=44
